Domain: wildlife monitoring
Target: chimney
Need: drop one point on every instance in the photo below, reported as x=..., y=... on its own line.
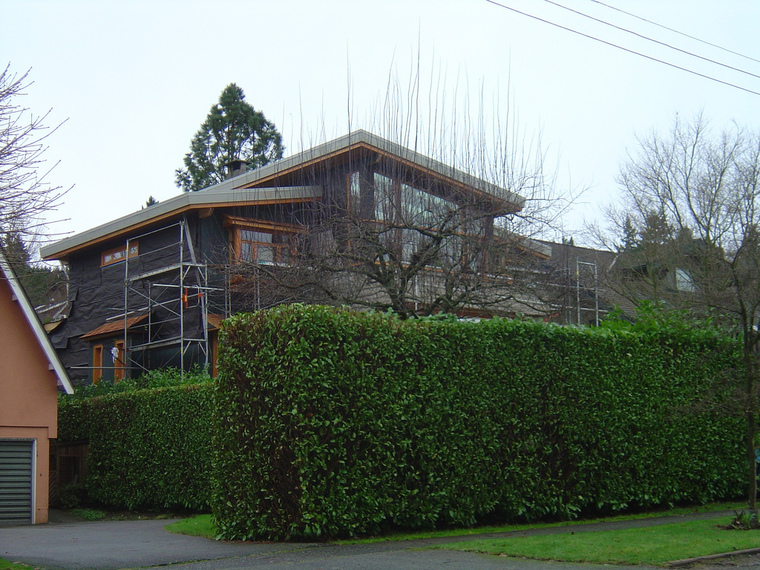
x=235, y=168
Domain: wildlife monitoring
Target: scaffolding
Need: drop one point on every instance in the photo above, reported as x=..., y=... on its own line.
x=167, y=287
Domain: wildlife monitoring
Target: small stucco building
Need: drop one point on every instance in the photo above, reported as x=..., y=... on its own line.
x=31, y=377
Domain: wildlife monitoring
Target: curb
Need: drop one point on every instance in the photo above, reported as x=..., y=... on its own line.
x=686, y=561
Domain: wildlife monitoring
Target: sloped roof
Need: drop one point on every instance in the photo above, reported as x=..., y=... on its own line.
x=34, y=323
x=114, y=326
x=249, y=189
x=362, y=138
x=214, y=321
x=214, y=196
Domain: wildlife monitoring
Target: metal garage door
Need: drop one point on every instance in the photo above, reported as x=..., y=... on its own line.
x=16, y=481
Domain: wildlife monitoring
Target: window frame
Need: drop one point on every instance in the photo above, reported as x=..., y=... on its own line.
x=237, y=225
x=118, y=254
x=97, y=362
x=119, y=364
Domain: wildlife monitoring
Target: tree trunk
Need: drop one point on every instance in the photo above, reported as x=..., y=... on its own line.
x=749, y=371
x=751, y=461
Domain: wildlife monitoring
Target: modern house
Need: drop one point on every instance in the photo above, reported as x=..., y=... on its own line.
x=367, y=216
x=31, y=376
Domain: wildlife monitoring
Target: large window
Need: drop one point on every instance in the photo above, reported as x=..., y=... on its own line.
x=422, y=208
x=398, y=202
x=386, y=198
x=258, y=241
x=406, y=216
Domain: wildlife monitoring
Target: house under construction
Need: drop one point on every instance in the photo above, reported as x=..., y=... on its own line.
x=150, y=289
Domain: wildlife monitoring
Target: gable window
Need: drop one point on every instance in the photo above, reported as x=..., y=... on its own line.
x=258, y=241
x=684, y=282
x=397, y=202
x=119, y=254
x=354, y=194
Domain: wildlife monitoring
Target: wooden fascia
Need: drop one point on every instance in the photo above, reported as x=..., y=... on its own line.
x=65, y=254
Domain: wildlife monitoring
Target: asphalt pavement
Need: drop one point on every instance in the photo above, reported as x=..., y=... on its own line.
x=109, y=545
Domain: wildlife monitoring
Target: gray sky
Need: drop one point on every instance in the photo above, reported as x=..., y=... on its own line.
x=135, y=79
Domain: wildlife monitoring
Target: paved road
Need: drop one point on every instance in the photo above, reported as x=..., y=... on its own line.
x=145, y=544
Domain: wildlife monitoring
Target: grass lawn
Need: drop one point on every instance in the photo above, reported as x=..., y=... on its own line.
x=201, y=525
x=446, y=533
x=652, y=545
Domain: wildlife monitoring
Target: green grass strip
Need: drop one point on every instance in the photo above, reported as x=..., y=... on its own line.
x=7, y=565
x=454, y=532
x=202, y=525
x=649, y=545
x=199, y=525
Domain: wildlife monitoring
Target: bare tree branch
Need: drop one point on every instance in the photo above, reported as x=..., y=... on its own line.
x=25, y=193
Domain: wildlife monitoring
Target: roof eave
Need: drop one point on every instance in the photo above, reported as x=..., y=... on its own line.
x=363, y=138
x=216, y=196
x=39, y=332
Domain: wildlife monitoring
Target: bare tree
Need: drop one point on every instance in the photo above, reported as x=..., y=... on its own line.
x=689, y=220
x=416, y=244
x=25, y=193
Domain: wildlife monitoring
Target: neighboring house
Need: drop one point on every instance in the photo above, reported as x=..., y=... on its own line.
x=577, y=288
x=31, y=376
x=148, y=290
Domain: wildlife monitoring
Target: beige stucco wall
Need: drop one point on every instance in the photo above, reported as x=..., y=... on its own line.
x=28, y=392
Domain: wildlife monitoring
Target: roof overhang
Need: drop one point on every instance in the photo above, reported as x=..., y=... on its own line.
x=54, y=362
x=509, y=201
x=215, y=196
x=113, y=327
x=259, y=186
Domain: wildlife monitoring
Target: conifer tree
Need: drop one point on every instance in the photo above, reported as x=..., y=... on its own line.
x=233, y=130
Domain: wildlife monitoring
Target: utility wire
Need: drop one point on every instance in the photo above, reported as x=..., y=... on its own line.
x=667, y=45
x=675, y=31
x=623, y=48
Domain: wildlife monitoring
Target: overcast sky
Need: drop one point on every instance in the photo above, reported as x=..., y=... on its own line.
x=135, y=79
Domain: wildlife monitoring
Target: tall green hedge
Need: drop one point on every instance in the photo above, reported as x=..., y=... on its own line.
x=147, y=448
x=332, y=423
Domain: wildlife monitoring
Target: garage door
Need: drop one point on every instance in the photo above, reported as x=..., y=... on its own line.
x=16, y=481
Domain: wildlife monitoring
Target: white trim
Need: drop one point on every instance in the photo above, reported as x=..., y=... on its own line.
x=34, y=323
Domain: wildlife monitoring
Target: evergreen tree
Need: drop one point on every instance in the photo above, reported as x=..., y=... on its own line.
x=631, y=236
x=233, y=130
x=41, y=284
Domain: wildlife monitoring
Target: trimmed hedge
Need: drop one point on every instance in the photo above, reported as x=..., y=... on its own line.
x=333, y=423
x=147, y=448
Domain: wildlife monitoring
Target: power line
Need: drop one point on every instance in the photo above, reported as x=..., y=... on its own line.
x=675, y=31
x=623, y=48
x=667, y=45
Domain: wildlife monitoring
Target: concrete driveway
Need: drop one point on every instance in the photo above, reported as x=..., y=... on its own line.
x=145, y=544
